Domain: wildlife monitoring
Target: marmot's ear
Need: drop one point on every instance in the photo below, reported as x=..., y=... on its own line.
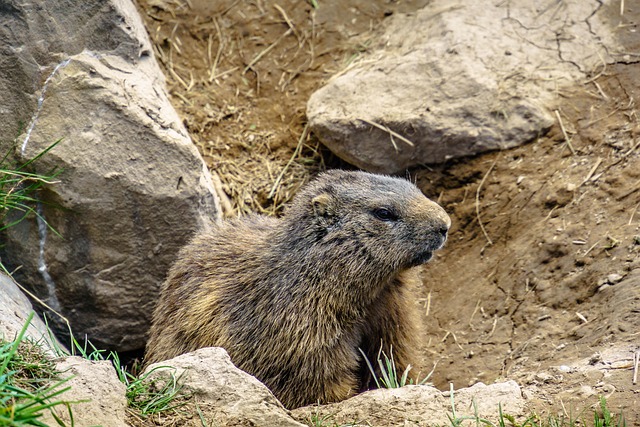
x=324, y=206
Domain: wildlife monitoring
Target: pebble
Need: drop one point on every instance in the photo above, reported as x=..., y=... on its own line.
x=595, y=358
x=544, y=377
x=585, y=392
x=528, y=394
x=606, y=388
x=614, y=278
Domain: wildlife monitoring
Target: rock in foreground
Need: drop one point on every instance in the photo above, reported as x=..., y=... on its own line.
x=226, y=395
x=15, y=308
x=420, y=405
x=97, y=396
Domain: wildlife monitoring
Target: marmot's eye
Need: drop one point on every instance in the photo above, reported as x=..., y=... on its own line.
x=384, y=214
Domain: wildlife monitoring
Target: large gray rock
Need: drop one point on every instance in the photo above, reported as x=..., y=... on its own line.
x=97, y=396
x=421, y=405
x=458, y=79
x=133, y=187
x=226, y=395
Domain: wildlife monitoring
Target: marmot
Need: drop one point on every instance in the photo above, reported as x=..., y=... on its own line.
x=293, y=299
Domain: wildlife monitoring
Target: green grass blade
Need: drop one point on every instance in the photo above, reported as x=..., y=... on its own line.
x=373, y=372
x=16, y=343
x=39, y=155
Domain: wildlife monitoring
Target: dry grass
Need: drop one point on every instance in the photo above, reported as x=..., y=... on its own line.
x=240, y=72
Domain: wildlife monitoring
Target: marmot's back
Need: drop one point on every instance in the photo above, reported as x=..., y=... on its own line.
x=293, y=299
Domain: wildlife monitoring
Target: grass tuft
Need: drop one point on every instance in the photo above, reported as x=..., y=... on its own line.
x=151, y=396
x=28, y=383
x=17, y=187
x=390, y=377
x=145, y=396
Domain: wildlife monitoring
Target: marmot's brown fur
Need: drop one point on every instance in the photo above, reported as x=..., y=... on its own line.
x=293, y=299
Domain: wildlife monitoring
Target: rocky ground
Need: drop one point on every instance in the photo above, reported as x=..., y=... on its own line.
x=540, y=280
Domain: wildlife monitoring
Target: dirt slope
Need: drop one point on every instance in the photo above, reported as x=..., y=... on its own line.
x=554, y=277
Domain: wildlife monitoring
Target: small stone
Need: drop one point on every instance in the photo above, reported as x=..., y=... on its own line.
x=528, y=394
x=607, y=388
x=614, y=278
x=14, y=310
x=603, y=287
x=586, y=392
x=544, y=377
x=595, y=358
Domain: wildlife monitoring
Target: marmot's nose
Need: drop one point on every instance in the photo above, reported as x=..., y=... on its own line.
x=442, y=230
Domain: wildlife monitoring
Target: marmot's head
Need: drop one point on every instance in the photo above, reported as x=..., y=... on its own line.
x=372, y=218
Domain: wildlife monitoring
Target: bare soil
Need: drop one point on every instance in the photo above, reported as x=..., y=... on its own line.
x=554, y=277
x=540, y=279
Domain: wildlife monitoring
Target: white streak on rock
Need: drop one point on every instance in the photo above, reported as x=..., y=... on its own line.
x=40, y=102
x=52, y=299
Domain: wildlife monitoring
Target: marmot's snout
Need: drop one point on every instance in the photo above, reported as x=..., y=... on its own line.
x=438, y=224
x=441, y=230
x=435, y=229
x=440, y=237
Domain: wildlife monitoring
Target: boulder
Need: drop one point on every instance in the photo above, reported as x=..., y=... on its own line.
x=132, y=187
x=97, y=396
x=420, y=405
x=458, y=79
x=226, y=395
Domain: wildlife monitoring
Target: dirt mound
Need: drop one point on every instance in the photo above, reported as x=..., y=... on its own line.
x=539, y=281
